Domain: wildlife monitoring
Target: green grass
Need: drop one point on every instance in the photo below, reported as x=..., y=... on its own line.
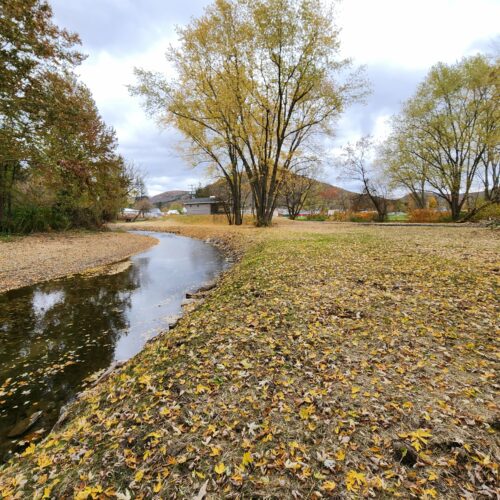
x=397, y=218
x=6, y=238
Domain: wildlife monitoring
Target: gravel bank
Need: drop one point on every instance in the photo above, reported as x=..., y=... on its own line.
x=41, y=257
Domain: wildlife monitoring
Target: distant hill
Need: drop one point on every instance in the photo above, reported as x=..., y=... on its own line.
x=333, y=197
x=164, y=199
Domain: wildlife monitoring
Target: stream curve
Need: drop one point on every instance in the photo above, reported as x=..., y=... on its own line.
x=54, y=335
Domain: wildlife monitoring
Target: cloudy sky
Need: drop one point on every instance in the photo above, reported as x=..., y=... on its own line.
x=397, y=41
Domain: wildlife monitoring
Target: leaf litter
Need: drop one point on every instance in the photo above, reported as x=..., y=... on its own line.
x=322, y=359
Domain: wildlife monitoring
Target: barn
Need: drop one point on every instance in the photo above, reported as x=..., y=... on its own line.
x=203, y=206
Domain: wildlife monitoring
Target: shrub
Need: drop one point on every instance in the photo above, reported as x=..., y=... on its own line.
x=340, y=216
x=363, y=216
x=491, y=213
x=429, y=215
x=33, y=218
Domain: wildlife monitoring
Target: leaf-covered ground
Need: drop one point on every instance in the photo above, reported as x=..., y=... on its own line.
x=332, y=361
x=46, y=256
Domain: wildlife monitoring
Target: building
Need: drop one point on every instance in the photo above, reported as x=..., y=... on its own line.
x=203, y=206
x=153, y=213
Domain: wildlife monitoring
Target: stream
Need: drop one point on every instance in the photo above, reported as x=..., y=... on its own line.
x=55, y=335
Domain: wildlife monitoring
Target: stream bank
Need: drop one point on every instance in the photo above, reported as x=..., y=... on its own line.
x=55, y=335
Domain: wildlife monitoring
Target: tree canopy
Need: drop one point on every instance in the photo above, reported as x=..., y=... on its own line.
x=254, y=82
x=58, y=161
x=446, y=139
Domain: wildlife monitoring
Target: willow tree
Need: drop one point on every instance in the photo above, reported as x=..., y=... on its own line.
x=258, y=78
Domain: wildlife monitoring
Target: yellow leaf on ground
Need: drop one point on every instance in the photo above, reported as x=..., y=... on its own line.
x=220, y=468
x=329, y=485
x=216, y=450
x=354, y=480
x=306, y=411
x=247, y=459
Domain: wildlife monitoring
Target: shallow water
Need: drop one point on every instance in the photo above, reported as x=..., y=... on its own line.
x=54, y=335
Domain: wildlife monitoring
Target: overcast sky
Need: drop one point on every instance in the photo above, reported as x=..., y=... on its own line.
x=397, y=41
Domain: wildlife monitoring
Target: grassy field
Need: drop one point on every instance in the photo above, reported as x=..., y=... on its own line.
x=333, y=360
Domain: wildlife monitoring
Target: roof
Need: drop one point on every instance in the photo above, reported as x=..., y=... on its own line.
x=201, y=201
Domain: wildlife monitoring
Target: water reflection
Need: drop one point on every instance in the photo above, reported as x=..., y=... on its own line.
x=54, y=335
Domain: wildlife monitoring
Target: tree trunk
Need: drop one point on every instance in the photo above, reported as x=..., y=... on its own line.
x=455, y=206
x=419, y=199
x=2, y=196
x=263, y=219
x=264, y=216
x=237, y=215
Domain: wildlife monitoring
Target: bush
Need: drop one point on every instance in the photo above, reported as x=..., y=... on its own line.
x=491, y=213
x=363, y=216
x=339, y=216
x=34, y=218
x=429, y=215
x=317, y=217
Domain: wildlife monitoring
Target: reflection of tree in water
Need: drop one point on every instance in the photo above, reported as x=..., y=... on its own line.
x=53, y=336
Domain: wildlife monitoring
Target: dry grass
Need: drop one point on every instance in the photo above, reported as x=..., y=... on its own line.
x=332, y=361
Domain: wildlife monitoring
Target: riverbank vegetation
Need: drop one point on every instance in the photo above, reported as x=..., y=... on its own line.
x=59, y=166
x=332, y=360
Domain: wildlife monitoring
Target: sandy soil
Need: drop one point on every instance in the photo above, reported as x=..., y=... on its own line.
x=41, y=257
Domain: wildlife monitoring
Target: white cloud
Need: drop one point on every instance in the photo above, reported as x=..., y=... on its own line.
x=415, y=34
x=397, y=40
x=382, y=127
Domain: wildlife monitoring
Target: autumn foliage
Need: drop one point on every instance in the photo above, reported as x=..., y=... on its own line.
x=428, y=215
x=59, y=165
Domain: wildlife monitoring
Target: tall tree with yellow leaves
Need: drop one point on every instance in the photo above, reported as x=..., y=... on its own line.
x=258, y=78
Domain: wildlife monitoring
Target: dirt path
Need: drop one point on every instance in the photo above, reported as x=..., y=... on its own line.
x=35, y=258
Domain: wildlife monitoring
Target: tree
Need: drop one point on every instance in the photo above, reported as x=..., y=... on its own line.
x=29, y=44
x=298, y=183
x=255, y=80
x=58, y=160
x=143, y=205
x=355, y=161
x=491, y=174
x=449, y=129
x=296, y=190
x=76, y=154
x=432, y=203
x=335, y=198
x=403, y=170
x=136, y=184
